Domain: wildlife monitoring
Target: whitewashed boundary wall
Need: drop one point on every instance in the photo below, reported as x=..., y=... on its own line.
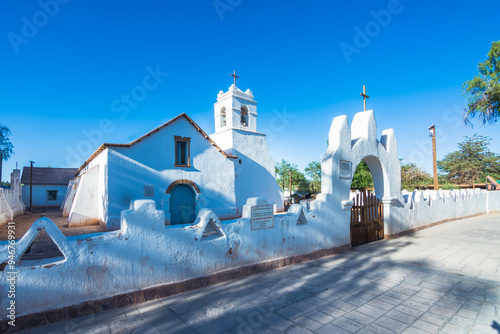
x=146, y=253
x=10, y=199
x=422, y=208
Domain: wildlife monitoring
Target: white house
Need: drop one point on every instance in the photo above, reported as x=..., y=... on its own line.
x=181, y=168
x=49, y=185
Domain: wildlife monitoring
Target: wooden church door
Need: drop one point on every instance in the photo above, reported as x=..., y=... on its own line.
x=182, y=205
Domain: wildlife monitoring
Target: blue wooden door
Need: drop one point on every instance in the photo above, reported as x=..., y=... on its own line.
x=182, y=205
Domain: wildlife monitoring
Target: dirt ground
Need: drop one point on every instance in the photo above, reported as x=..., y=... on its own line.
x=43, y=246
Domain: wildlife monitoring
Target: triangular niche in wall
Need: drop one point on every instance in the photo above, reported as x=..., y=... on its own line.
x=42, y=248
x=42, y=244
x=212, y=231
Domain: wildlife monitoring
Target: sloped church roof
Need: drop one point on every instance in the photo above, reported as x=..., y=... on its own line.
x=106, y=145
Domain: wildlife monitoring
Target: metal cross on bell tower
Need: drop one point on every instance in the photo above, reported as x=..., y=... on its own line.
x=234, y=76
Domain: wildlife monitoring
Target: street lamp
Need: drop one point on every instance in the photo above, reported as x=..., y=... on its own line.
x=432, y=133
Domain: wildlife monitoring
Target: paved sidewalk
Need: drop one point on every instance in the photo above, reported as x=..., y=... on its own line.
x=445, y=279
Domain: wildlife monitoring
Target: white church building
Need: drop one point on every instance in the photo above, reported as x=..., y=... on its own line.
x=181, y=168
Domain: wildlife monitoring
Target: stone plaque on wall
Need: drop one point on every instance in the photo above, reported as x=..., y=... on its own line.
x=149, y=191
x=345, y=171
x=262, y=217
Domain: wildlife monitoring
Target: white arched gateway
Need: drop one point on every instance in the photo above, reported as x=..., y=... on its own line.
x=348, y=146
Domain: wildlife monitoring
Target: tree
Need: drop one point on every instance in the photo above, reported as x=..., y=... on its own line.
x=483, y=91
x=299, y=181
x=313, y=171
x=413, y=176
x=5, y=146
x=472, y=162
x=362, y=177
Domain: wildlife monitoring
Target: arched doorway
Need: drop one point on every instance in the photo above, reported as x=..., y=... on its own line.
x=367, y=212
x=182, y=204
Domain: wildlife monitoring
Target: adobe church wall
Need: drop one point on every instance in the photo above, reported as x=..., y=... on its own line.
x=130, y=169
x=84, y=204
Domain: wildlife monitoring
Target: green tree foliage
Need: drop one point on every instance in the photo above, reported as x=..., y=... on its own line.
x=5, y=144
x=472, y=162
x=362, y=177
x=412, y=176
x=299, y=182
x=313, y=171
x=483, y=91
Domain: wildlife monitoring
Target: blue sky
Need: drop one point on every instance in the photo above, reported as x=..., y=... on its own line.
x=67, y=65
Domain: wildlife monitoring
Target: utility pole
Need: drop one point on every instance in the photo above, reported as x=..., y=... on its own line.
x=1, y=162
x=432, y=133
x=31, y=186
x=290, y=186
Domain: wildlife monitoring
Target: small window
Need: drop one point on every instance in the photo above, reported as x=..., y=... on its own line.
x=223, y=117
x=52, y=195
x=244, y=116
x=182, y=151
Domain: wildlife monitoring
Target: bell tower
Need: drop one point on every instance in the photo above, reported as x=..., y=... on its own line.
x=235, y=114
x=235, y=109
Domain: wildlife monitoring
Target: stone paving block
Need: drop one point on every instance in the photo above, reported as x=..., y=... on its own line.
x=453, y=329
x=442, y=311
x=461, y=321
x=196, y=318
x=307, y=323
x=449, y=305
x=396, y=295
x=320, y=317
x=391, y=324
x=349, y=325
x=360, y=317
x=355, y=300
x=374, y=328
x=404, y=291
x=130, y=310
x=371, y=311
x=416, y=305
x=342, y=305
x=410, y=311
x=274, y=321
x=472, y=305
x=222, y=324
x=290, y=313
x=426, y=326
x=380, y=305
x=331, y=311
x=413, y=330
x=488, y=309
x=331, y=328
x=185, y=307
x=483, y=329
x=316, y=301
x=304, y=306
x=388, y=300
x=297, y=330
x=422, y=300
x=172, y=324
x=400, y=316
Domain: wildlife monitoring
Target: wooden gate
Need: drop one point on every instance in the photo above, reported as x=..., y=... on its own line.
x=367, y=219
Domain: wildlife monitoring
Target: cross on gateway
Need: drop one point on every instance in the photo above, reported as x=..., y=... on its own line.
x=364, y=96
x=234, y=76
